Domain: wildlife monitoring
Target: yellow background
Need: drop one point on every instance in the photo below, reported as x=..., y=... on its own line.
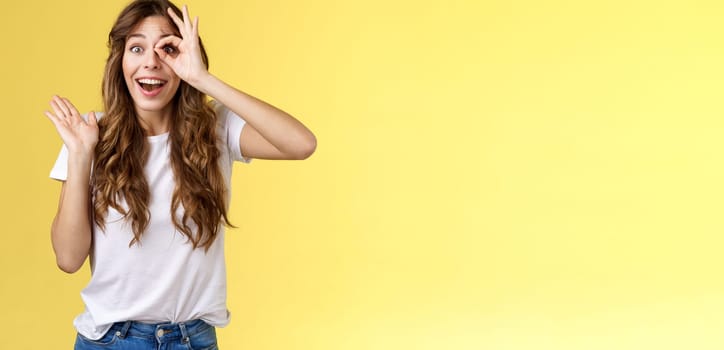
x=490, y=174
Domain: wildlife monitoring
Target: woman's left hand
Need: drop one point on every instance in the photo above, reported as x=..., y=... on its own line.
x=183, y=54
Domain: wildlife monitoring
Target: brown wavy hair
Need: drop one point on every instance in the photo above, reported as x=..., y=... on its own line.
x=122, y=150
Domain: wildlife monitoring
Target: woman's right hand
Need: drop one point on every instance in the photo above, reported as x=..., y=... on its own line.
x=77, y=134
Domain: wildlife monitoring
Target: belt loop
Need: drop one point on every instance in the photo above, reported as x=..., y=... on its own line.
x=122, y=333
x=184, y=333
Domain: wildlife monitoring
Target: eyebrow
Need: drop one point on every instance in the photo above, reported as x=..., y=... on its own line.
x=139, y=35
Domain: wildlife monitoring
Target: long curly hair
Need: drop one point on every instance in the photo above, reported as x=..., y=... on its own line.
x=122, y=150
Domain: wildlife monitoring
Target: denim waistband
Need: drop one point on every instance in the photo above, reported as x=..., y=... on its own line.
x=162, y=332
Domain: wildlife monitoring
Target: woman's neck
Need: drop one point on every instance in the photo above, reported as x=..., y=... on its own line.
x=155, y=122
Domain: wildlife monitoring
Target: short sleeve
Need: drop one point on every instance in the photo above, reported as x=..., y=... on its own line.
x=231, y=125
x=60, y=169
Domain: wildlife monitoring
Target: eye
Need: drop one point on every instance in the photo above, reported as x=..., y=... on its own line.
x=136, y=49
x=169, y=49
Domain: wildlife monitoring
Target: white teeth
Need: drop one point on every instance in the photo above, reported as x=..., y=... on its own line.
x=150, y=81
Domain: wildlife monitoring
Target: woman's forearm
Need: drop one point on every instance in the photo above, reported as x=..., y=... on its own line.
x=71, y=229
x=280, y=129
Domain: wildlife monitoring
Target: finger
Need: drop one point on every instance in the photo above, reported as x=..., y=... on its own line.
x=169, y=40
x=92, y=120
x=57, y=122
x=175, y=18
x=187, y=19
x=163, y=55
x=160, y=47
x=62, y=115
x=59, y=107
x=195, y=29
x=53, y=118
x=74, y=114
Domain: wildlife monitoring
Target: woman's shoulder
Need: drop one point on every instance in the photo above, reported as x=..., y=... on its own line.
x=219, y=109
x=224, y=116
x=223, y=113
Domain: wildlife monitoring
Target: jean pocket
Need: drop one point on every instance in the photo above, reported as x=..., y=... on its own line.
x=203, y=340
x=107, y=340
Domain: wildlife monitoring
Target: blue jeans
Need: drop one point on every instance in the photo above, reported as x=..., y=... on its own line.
x=192, y=335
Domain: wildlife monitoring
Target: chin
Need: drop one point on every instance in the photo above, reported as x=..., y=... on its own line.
x=152, y=106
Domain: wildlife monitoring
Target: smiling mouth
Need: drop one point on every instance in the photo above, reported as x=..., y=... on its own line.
x=150, y=84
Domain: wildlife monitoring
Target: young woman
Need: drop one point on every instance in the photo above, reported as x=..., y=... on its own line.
x=146, y=184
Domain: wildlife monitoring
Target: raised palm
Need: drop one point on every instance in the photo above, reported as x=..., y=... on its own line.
x=77, y=134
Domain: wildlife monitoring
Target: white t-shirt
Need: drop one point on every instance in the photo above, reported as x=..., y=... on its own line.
x=162, y=279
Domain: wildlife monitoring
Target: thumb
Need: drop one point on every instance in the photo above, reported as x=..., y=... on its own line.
x=167, y=47
x=164, y=56
x=160, y=52
x=92, y=119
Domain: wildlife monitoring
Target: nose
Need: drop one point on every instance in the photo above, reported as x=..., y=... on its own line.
x=151, y=61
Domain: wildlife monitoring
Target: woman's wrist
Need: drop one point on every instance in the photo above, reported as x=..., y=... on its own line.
x=80, y=158
x=202, y=82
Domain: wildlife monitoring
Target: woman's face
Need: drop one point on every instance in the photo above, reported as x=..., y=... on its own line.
x=151, y=83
